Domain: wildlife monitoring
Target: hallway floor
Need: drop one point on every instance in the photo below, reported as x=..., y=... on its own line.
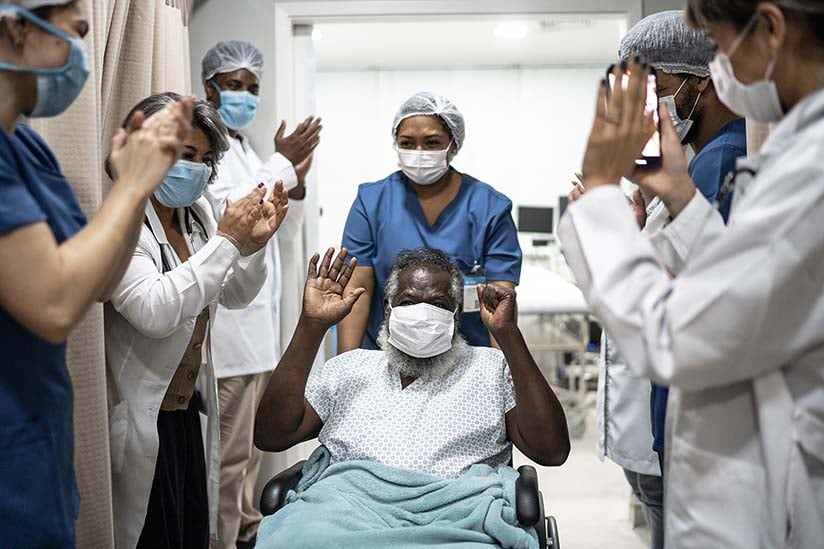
x=589, y=499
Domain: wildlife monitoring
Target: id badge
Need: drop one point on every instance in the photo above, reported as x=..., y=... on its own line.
x=471, y=280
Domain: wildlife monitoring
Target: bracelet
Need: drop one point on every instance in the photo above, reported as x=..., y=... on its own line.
x=234, y=242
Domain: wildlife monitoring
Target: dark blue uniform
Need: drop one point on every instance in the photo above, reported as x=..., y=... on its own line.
x=39, y=501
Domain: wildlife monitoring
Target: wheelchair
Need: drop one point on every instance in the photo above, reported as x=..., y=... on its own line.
x=529, y=501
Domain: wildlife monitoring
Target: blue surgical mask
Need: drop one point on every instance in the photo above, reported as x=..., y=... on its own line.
x=183, y=185
x=57, y=88
x=237, y=108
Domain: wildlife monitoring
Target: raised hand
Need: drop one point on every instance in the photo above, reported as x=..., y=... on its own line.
x=499, y=308
x=143, y=153
x=671, y=181
x=240, y=217
x=273, y=213
x=621, y=128
x=299, y=144
x=323, y=301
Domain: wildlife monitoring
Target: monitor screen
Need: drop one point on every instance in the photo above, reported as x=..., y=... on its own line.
x=563, y=202
x=535, y=220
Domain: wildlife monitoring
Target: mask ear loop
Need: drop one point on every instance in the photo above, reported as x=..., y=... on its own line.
x=697, y=99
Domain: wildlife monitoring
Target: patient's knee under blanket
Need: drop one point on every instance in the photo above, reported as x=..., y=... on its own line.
x=364, y=504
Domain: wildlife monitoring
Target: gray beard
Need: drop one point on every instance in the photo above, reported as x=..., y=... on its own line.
x=410, y=366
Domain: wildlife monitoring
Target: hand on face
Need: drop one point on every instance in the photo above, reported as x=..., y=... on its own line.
x=323, y=301
x=298, y=145
x=273, y=213
x=241, y=217
x=143, y=154
x=671, y=180
x=621, y=128
x=499, y=308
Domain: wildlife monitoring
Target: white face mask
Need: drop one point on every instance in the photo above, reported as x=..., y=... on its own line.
x=758, y=101
x=424, y=167
x=421, y=330
x=682, y=127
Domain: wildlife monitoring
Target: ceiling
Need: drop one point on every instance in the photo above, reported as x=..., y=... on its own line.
x=483, y=41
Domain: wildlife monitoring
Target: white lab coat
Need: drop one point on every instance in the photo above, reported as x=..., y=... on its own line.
x=247, y=341
x=622, y=405
x=739, y=335
x=149, y=323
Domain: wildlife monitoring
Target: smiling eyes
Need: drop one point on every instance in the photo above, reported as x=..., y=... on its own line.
x=432, y=144
x=439, y=304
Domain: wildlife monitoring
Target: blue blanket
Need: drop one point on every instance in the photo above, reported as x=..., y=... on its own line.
x=364, y=504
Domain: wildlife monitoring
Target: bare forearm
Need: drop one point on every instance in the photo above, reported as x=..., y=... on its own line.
x=281, y=410
x=540, y=417
x=96, y=253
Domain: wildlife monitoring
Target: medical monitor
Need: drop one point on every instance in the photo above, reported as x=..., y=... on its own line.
x=533, y=219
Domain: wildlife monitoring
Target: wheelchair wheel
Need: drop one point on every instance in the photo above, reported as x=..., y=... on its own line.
x=552, y=540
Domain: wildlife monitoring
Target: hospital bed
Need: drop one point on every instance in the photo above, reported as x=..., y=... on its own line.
x=529, y=501
x=562, y=326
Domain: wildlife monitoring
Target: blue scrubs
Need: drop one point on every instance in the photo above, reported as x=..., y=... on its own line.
x=38, y=495
x=476, y=227
x=708, y=170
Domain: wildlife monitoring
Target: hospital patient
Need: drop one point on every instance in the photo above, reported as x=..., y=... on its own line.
x=427, y=403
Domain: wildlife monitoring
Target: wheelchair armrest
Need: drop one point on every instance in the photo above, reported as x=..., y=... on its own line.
x=274, y=493
x=527, y=497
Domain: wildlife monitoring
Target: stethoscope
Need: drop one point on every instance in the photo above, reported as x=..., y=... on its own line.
x=189, y=213
x=728, y=187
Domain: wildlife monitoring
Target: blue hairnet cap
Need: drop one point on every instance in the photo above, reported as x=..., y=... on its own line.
x=30, y=5
x=231, y=56
x=669, y=45
x=430, y=104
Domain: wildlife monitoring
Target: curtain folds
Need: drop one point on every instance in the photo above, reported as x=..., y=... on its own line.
x=135, y=48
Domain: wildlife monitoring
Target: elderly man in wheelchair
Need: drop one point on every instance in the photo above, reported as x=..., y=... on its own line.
x=416, y=437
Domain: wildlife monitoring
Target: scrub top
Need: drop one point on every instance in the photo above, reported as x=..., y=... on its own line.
x=708, y=170
x=475, y=228
x=38, y=495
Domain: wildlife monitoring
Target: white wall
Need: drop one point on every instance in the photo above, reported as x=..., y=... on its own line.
x=526, y=130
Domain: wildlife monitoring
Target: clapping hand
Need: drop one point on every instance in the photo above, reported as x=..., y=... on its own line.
x=299, y=144
x=323, y=301
x=241, y=217
x=499, y=308
x=273, y=213
x=621, y=128
x=671, y=180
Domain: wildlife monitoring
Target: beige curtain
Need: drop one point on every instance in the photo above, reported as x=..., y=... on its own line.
x=136, y=48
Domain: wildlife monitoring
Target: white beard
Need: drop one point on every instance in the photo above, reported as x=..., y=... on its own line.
x=410, y=366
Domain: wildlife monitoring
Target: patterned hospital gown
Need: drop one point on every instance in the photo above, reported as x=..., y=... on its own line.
x=439, y=425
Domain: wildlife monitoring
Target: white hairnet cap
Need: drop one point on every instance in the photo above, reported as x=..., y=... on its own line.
x=669, y=45
x=429, y=104
x=232, y=56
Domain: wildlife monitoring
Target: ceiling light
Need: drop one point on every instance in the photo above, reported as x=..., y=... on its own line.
x=512, y=30
x=317, y=36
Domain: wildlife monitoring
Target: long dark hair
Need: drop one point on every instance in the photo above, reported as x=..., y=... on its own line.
x=807, y=13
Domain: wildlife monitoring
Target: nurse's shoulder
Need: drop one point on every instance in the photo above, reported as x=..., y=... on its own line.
x=483, y=195
x=29, y=140
x=375, y=193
